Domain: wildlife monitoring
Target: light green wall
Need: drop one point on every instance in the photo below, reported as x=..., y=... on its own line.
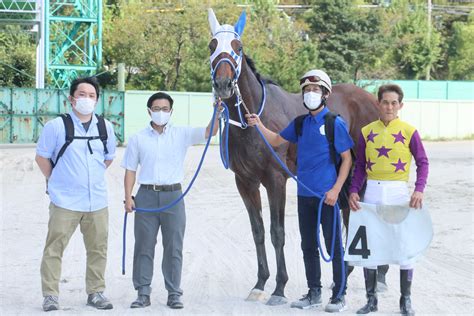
x=433, y=118
x=189, y=109
x=436, y=119
x=427, y=89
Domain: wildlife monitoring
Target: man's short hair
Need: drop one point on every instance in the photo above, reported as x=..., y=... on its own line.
x=390, y=88
x=90, y=80
x=158, y=96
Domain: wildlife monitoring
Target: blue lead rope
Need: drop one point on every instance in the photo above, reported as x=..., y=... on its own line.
x=336, y=219
x=161, y=209
x=224, y=148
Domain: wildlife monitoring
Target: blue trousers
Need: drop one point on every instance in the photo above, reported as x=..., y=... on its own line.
x=307, y=217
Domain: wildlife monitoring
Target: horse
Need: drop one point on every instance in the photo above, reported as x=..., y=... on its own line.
x=236, y=81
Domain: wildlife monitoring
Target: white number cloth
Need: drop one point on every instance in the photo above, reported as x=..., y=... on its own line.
x=387, y=234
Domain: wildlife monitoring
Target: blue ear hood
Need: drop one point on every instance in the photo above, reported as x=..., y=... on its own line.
x=240, y=25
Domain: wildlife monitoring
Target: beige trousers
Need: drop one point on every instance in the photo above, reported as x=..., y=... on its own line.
x=61, y=226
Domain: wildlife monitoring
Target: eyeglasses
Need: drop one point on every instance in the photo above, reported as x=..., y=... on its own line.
x=166, y=110
x=310, y=79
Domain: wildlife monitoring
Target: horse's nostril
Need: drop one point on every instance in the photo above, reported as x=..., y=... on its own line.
x=223, y=83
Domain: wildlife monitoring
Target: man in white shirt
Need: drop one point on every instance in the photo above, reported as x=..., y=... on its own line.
x=160, y=150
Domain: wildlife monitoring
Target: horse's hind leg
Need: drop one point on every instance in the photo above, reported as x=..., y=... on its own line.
x=251, y=197
x=276, y=190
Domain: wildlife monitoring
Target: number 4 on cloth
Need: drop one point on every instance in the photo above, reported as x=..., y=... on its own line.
x=360, y=235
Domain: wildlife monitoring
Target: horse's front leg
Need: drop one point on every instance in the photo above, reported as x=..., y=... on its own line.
x=251, y=196
x=276, y=191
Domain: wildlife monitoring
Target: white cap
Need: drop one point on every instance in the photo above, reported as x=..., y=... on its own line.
x=318, y=77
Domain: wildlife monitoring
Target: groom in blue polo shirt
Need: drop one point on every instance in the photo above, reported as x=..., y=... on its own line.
x=316, y=170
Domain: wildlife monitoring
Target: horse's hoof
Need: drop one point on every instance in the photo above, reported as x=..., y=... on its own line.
x=256, y=295
x=277, y=300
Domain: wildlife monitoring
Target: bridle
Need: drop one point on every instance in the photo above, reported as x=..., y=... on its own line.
x=235, y=62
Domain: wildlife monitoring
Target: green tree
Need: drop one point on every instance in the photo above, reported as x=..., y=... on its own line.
x=349, y=39
x=165, y=46
x=415, y=47
x=461, y=62
x=17, y=57
x=276, y=43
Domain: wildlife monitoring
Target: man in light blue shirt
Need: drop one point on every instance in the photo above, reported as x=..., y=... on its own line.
x=78, y=192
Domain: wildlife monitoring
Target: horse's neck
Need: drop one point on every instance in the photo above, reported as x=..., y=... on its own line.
x=250, y=89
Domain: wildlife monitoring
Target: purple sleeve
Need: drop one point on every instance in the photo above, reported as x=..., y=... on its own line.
x=418, y=152
x=359, y=169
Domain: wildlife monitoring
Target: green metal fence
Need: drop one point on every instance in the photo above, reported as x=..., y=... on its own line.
x=23, y=112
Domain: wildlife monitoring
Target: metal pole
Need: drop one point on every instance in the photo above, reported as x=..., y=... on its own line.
x=429, y=19
x=429, y=37
x=40, y=39
x=121, y=77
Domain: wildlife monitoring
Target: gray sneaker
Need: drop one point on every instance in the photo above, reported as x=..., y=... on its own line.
x=50, y=303
x=99, y=301
x=336, y=305
x=310, y=300
x=141, y=301
x=174, y=301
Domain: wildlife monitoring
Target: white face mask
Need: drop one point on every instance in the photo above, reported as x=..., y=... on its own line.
x=160, y=118
x=85, y=106
x=312, y=100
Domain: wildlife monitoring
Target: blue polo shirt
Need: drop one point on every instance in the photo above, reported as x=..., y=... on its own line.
x=314, y=166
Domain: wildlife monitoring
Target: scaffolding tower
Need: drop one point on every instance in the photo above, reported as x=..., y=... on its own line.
x=73, y=39
x=28, y=14
x=69, y=36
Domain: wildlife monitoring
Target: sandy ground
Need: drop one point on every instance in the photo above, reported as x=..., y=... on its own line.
x=219, y=256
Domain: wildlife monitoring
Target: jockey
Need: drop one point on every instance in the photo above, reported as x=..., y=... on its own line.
x=384, y=154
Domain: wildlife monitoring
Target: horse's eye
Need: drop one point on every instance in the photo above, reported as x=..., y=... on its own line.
x=213, y=45
x=237, y=47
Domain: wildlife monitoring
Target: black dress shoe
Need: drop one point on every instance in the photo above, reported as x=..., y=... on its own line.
x=174, y=301
x=141, y=301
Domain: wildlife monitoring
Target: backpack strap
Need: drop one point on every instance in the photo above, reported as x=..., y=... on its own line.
x=299, y=124
x=69, y=130
x=102, y=131
x=329, y=122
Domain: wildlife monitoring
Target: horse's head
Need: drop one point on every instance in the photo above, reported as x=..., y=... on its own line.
x=226, y=54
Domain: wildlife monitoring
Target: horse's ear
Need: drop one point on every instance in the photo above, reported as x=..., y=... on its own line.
x=213, y=23
x=240, y=25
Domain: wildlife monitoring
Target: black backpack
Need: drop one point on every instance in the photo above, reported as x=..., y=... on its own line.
x=69, y=128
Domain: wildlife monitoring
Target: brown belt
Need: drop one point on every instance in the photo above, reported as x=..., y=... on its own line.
x=165, y=187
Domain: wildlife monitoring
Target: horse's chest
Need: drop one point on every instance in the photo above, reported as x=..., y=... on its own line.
x=247, y=158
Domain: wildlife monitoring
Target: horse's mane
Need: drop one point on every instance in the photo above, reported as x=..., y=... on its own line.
x=251, y=64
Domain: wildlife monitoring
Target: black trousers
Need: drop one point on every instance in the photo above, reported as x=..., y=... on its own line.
x=307, y=217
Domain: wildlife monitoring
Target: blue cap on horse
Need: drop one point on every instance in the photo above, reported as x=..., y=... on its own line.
x=240, y=25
